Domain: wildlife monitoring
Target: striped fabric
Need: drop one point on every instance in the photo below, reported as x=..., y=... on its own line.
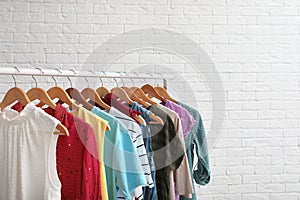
x=137, y=139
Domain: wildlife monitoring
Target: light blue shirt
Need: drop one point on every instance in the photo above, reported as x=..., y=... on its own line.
x=122, y=167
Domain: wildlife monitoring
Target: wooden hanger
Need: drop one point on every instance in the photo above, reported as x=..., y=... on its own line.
x=62, y=95
x=40, y=94
x=76, y=95
x=102, y=91
x=89, y=93
x=140, y=93
x=128, y=91
x=163, y=92
x=145, y=104
x=119, y=92
x=135, y=98
x=148, y=89
x=17, y=94
x=12, y=95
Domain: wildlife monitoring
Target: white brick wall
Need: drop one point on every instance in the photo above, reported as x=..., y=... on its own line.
x=254, y=45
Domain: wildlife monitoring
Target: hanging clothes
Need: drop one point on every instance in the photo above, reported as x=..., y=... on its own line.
x=182, y=174
x=150, y=193
x=187, y=120
x=136, y=134
x=27, y=154
x=124, y=172
x=168, y=151
x=76, y=156
x=196, y=141
x=99, y=125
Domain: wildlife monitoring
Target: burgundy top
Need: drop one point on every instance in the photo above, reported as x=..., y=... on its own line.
x=76, y=157
x=112, y=100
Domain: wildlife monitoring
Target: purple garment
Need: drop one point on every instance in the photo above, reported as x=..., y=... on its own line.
x=186, y=118
x=187, y=122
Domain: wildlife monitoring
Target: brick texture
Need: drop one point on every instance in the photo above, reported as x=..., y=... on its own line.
x=253, y=44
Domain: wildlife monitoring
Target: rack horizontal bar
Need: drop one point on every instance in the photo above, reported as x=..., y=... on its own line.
x=74, y=73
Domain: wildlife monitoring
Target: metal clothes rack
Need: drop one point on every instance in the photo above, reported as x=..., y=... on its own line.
x=84, y=74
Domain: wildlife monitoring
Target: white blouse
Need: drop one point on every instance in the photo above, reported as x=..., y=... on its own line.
x=28, y=155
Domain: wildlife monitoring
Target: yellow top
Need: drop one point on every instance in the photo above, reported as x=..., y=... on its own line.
x=99, y=125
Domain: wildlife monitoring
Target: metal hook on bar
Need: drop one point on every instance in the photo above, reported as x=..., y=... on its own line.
x=130, y=79
x=137, y=74
x=40, y=70
x=58, y=70
x=92, y=72
x=75, y=73
x=13, y=76
x=145, y=79
x=34, y=81
x=101, y=79
x=54, y=80
x=85, y=78
x=121, y=78
x=116, y=81
x=17, y=69
x=73, y=70
x=70, y=81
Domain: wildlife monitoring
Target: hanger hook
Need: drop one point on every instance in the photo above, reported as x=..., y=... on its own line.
x=13, y=76
x=73, y=70
x=127, y=74
x=121, y=78
x=92, y=73
x=75, y=73
x=17, y=69
x=54, y=78
x=34, y=81
x=70, y=81
x=85, y=78
x=101, y=78
x=54, y=81
x=116, y=81
x=58, y=70
x=40, y=70
x=137, y=74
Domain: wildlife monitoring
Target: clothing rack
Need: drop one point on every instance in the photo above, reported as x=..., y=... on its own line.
x=84, y=74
